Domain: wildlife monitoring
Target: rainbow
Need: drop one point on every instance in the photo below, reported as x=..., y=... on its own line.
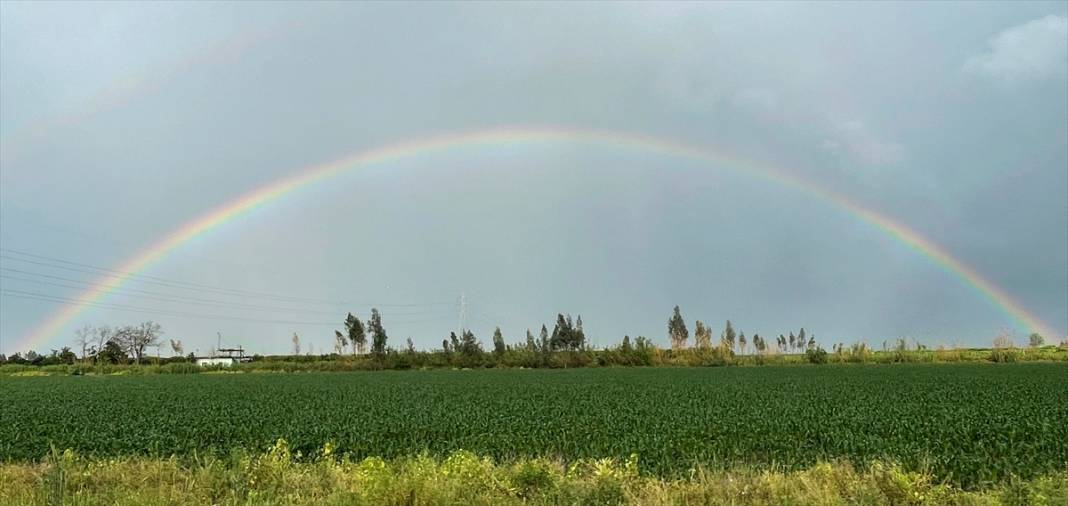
x=308, y=176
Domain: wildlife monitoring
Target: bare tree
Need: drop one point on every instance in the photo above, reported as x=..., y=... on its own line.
x=135, y=339
x=103, y=334
x=1004, y=341
x=83, y=338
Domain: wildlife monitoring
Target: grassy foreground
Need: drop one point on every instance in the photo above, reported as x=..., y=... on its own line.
x=280, y=476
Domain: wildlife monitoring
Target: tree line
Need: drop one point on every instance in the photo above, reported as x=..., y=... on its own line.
x=565, y=345
x=102, y=344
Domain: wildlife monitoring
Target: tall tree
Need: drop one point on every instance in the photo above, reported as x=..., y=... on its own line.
x=378, y=334
x=469, y=344
x=727, y=338
x=411, y=346
x=83, y=338
x=498, y=343
x=578, y=337
x=355, y=330
x=677, y=331
x=1036, y=340
x=561, y=337
x=339, y=342
x=296, y=344
x=177, y=348
x=801, y=339
x=532, y=345
x=702, y=335
x=793, y=342
x=545, y=345
x=741, y=342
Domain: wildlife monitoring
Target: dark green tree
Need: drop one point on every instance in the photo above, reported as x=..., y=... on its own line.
x=545, y=345
x=801, y=339
x=65, y=356
x=578, y=336
x=469, y=345
x=357, y=336
x=677, y=331
x=113, y=354
x=498, y=343
x=378, y=334
x=561, y=337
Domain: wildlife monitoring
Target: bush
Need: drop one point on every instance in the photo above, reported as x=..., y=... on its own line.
x=1003, y=356
x=816, y=355
x=180, y=368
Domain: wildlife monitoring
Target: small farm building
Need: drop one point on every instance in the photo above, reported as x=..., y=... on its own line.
x=224, y=361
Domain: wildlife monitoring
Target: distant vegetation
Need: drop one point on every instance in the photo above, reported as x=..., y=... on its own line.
x=127, y=348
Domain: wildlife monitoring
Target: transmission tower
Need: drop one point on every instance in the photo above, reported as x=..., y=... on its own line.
x=463, y=314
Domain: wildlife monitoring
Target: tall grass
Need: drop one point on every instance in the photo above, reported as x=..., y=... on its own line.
x=279, y=476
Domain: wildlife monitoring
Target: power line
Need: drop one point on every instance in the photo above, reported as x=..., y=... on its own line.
x=52, y=262
x=162, y=312
x=125, y=275
x=20, y=294
x=97, y=236
x=165, y=297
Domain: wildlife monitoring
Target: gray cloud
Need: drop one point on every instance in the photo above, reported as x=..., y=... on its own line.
x=1034, y=50
x=854, y=140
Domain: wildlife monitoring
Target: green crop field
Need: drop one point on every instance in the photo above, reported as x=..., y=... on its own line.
x=968, y=424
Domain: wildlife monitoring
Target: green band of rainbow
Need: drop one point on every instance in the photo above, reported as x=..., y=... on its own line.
x=49, y=329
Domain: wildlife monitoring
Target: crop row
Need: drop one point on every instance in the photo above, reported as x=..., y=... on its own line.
x=966, y=423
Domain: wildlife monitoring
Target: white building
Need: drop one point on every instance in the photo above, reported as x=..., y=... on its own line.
x=223, y=361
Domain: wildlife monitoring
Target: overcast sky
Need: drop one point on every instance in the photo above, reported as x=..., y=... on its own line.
x=120, y=122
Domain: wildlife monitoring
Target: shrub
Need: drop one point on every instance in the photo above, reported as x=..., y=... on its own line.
x=1003, y=356
x=816, y=355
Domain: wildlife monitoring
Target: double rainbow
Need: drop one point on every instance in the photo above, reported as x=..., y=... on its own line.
x=308, y=176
